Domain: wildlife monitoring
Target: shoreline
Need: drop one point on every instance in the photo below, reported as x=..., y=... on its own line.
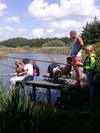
x=4, y=51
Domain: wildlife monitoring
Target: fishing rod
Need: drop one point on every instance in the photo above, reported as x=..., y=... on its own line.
x=30, y=59
x=9, y=74
x=7, y=65
x=33, y=59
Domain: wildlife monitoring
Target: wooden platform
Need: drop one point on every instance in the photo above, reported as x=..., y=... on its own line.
x=48, y=84
x=45, y=84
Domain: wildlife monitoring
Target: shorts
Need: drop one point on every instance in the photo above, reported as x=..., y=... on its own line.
x=76, y=60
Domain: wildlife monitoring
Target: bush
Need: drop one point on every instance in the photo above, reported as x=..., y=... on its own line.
x=54, y=43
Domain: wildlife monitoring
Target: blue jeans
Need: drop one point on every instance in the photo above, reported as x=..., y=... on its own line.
x=90, y=77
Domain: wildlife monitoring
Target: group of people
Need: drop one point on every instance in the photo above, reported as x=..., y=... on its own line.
x=57, y=71
x=31, y=71
x=75, y=60
x=25, y=71
x=89, y=65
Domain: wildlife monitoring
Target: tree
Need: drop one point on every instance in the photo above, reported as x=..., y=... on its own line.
x=91, y=32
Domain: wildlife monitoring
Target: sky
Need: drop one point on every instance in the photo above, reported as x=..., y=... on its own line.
x=45, y=18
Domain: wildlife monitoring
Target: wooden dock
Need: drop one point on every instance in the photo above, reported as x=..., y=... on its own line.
x=48, y=84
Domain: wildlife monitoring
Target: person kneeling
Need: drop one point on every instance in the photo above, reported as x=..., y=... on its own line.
x=65, y=70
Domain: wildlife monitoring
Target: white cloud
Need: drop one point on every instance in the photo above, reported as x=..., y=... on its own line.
x=13, y=19
x=57, y=29
x=10, y=32
x=37, y=33
x=50, y=20
x=3, y=6
x=42, y=10
x=63, y=16
x=65, y=24
x=54, y=30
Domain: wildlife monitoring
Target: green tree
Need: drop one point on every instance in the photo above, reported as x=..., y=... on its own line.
x=91, y=32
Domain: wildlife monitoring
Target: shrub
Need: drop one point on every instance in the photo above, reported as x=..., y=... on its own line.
x=54, y=43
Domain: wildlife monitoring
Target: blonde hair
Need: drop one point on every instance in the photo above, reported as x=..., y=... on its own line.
x=18, y=61
x=90, y=48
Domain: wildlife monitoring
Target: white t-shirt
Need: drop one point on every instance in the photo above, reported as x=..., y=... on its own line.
x=29, y=68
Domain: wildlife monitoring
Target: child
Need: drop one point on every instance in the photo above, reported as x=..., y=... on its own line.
x=63, y=70
x=36, y=71
x=90, y=70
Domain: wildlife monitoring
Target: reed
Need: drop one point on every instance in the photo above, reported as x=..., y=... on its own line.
x=54, y=50
x=19, y=114
x=6, y=50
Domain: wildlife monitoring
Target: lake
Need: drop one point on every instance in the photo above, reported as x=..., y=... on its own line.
x=7, y=66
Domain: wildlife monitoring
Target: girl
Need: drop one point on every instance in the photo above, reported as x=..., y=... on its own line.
x=36, y=71
x=90, y=70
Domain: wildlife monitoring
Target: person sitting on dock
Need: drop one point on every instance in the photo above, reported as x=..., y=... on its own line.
x=25, y=74
x=36, y=71
x=65, y=70
x=53, y=65
x=18, y=75
x=28, y=74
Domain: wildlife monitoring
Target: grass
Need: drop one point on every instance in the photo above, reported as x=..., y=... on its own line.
x=20, y=115
x=6, y=50
x=54, y=50
x=60, y=50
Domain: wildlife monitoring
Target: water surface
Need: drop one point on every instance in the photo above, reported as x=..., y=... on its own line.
x=7, y=66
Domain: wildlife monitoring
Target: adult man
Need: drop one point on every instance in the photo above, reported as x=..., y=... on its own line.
x=76, y=54
x=53, y=65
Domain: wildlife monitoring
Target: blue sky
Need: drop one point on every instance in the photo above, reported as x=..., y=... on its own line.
x=45, y=18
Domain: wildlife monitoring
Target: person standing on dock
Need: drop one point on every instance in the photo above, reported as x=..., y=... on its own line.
x=89, y=67
x=76, y=56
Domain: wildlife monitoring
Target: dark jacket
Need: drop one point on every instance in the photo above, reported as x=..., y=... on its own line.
x=51, y=67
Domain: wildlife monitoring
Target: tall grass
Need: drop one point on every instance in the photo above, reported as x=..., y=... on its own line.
x=6, y=50
x=55, y=50
x=19, y=114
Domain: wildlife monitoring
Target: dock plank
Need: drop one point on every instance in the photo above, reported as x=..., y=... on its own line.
x=44, y=84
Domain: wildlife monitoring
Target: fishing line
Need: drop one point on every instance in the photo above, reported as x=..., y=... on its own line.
x=7, y=65
x=34, y=60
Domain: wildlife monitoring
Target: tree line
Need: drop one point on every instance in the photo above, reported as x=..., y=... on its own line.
x=90, y=35
x=37, y=42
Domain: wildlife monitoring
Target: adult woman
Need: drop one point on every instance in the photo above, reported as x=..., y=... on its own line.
x=18, y=75
x=26, y=73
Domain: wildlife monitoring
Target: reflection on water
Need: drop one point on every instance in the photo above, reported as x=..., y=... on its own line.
x=6, y=69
